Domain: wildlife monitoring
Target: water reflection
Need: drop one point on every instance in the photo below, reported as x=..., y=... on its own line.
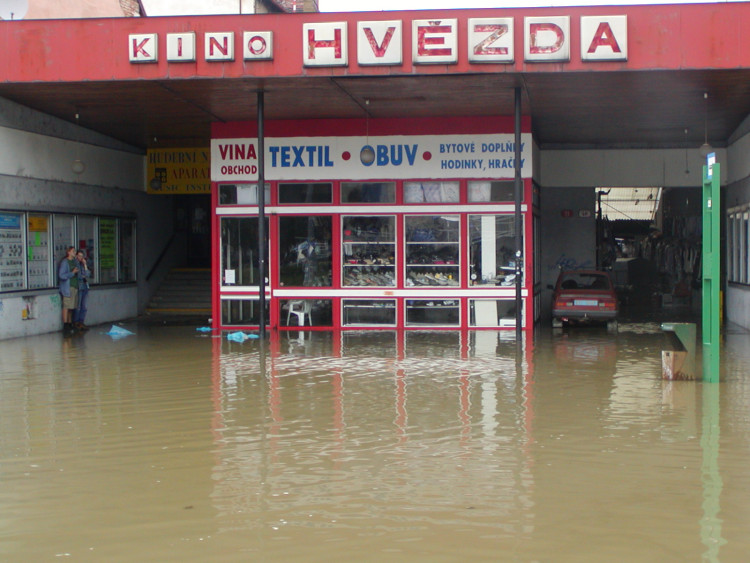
x=170, y=445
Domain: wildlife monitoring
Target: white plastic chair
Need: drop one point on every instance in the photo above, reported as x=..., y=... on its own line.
x=301, y=309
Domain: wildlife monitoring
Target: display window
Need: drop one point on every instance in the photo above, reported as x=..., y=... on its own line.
x=12, y=275
x=492, y=313
x=32, y=245
x=433, y=256
x=87, y=228
x=485, y=191
x=239, y=251
x=368, y=192
x=38, y=251
x=335, y=264
x=492, y=241
x=306, y=312
x=241, y=311
x=433, y=312
x=368, y=251
x=305, y=251
x=432, y=192
x=126, y=254
x=369, y=312
x=305, y=193
x=107, y=250
x=242, y=194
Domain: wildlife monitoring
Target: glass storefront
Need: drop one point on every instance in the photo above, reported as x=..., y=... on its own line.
x=365, y=255
x=32, y=245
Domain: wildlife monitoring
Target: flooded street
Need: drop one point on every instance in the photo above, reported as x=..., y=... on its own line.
x=173, y=445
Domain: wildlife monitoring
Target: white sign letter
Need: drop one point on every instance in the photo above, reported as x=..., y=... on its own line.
x=181, y=47
x=379, y=43
x=547, y=39
x=324, y=44
x=219, y=46
x=604, y=38
x=257, y=45
x=143, y=48
x=434, y=41
x=491, y=40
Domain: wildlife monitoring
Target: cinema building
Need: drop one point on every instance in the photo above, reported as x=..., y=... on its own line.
x=419, y=169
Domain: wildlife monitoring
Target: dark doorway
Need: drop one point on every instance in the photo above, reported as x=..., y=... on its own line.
x=193, y=217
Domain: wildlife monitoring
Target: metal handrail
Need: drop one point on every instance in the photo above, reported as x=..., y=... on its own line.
x=161, y=257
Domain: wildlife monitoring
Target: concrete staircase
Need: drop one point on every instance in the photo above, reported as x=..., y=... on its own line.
x=185, y=291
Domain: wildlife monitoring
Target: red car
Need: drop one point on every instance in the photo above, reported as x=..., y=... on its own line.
x=584, y=297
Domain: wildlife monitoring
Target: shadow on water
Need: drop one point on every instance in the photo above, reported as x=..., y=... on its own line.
x=413, y=446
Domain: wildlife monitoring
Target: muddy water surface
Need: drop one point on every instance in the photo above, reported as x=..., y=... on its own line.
x=172, y=445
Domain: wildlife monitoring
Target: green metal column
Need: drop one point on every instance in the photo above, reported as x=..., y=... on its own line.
x=711, y=268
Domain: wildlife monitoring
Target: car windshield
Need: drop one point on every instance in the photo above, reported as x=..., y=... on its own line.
x=585, y=280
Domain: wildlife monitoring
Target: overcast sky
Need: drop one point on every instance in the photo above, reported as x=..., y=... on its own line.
x=196, y=7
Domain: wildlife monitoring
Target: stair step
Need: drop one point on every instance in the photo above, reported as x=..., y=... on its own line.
x=183, y=291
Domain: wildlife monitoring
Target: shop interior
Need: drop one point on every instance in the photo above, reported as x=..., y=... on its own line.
x=649, y=239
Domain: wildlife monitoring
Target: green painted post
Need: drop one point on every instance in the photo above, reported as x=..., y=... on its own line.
x=711, y=268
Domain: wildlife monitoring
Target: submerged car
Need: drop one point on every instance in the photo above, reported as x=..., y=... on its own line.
x=584, y=297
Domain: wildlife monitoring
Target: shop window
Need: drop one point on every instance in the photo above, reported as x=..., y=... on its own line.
x=738, y=243
x=365, y=312
x=305, y=248
x=33, y=244
x=492, y=313
x=11, y=252
x=432, y=312
x=86, y=228
x=306, y=312
x=126, y=251
x=63, y=236
x=431, y=192
x=432, y=250
x=492, y=254
x=107, y=250
x=485, y=192
x=241, y=312
x=38, y=251
x=241, y=194
x=369, y=251
x=305, y=193
x=744, y=246
x=368, y=192
x=239, y=251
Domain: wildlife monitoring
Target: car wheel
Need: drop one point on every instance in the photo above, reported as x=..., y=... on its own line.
x=557, y=323
x=612, y=326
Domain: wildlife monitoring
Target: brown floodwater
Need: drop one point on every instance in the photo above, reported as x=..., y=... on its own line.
x=176, y=445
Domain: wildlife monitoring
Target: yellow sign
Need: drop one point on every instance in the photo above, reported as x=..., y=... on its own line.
x=179, y=171
x=38, y=223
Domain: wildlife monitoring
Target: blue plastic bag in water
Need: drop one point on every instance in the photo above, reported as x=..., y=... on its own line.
x=118, y=332
x=240, y=336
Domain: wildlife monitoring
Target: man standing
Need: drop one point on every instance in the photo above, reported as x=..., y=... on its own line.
x=79, y=315
x=67, y=274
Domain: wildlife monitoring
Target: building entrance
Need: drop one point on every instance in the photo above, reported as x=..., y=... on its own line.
x=193, y=219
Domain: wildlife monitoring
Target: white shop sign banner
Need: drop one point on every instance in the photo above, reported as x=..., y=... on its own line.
x=395, y=157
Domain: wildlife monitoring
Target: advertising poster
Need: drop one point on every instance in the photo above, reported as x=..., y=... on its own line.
x=179, y=171
x=107, y=244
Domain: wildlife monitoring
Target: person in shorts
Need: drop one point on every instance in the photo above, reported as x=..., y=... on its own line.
x=67, y=275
